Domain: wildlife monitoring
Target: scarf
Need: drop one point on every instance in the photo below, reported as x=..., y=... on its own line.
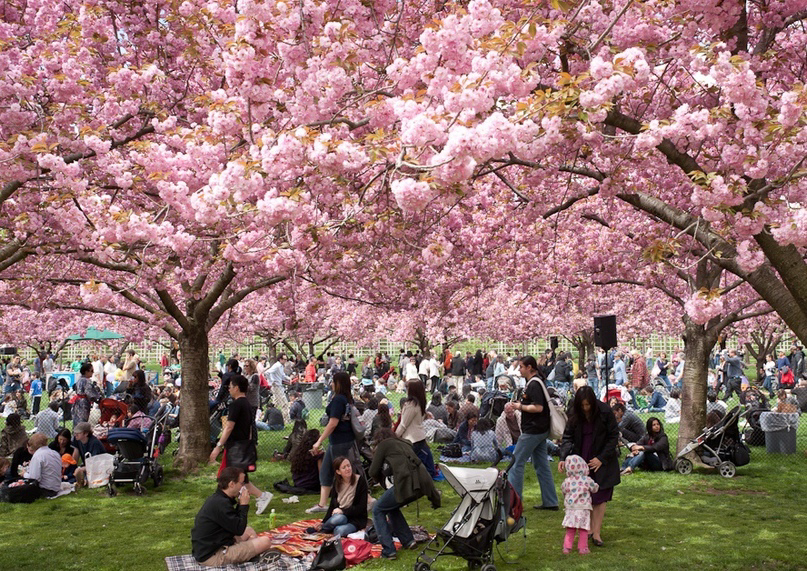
x=346, y=493
x=513, y=427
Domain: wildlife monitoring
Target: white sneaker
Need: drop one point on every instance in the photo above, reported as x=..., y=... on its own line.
x=262, y=502
x=316, y=508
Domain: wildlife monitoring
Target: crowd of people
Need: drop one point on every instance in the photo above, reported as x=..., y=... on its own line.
x=23, y=459
x=481, y=406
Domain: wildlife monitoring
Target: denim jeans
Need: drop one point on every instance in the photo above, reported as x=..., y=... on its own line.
x=533, y=445
x=768, y=384
x=389, y=522
x=425, y=454
x=594, y=383
x=338, y=525
x=666, y=382
x=647, y=460
x=657, y=403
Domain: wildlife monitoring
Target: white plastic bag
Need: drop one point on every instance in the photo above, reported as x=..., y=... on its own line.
x=99, y=468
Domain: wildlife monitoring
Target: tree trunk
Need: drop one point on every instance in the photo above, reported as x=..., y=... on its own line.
x=423, y=344
x=698, y=343
x=194, y=419
x=763, y=343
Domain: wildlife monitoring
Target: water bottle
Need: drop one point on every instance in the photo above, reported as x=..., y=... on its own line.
x=272, y=517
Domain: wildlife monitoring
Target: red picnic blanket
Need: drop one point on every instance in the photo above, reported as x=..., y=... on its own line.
x=300, y=543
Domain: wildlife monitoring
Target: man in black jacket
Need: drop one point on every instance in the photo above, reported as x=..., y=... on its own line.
x=220, y=535
x=458, y=370
x=631, y=426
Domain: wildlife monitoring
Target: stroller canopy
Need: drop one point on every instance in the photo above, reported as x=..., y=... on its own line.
x=126, y=434
x=475, y=482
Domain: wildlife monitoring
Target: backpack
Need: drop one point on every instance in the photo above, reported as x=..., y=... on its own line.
x=557, y=416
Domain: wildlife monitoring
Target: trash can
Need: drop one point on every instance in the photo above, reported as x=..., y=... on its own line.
x=312, y=395
x=780, y=431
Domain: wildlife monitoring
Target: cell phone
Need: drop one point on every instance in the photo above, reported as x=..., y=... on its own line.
x=243, y=489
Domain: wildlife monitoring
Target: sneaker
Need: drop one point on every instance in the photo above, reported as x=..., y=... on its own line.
x=550, y=508
x=391, y=557
x=439, y=477
x=411, y=545
x=584, y=552
x=316, y=509
x=262, y=502
x=566, y=551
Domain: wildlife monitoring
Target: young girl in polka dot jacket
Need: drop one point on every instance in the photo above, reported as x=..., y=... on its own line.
x=577, y=489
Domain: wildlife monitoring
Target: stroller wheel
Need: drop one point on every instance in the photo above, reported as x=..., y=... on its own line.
x=683, y=466
x=727, y=469
x=488, y=567
x=422, y=566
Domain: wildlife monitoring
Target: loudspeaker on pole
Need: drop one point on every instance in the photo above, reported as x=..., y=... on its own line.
x=605, y=331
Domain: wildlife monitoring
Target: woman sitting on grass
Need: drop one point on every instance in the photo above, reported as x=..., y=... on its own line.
x=484, y=447
x=672, y=410
x=13, y=435
x=305, y=466
x=651, y=452
x=347, y=512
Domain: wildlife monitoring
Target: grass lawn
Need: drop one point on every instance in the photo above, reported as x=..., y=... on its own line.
x=758, y=520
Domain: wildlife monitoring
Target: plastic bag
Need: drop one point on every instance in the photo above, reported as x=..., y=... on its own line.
x=99, y=468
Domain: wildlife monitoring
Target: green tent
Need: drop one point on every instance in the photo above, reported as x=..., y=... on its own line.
x=93, y=334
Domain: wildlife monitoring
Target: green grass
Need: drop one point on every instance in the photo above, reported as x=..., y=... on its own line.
x=757, y=520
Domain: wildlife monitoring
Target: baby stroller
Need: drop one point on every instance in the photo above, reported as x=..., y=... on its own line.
x=113, y=413
x=136, y=456
x=490, y=510
x=492, y=405
x=722, y=442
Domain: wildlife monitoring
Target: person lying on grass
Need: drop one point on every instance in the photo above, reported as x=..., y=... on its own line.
x=220, y=535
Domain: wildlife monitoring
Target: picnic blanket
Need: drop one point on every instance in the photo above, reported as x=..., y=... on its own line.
x=301, y=544
x=269, y=561
x=294, y=551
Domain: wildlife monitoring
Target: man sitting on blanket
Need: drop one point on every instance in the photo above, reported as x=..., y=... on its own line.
x=220, y=535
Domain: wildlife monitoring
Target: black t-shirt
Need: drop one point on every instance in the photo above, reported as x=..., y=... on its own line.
x=93, y=447
x=534, y=423
x=241, y=414
x=337, y=408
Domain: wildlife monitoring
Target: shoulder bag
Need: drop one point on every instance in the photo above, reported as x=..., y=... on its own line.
x=557, y=416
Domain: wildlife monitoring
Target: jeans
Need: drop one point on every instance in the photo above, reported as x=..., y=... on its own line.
x=338, y=525
x=390, y=522
x=533, y=445
x=666, y=381
x=594, y=383
x=657, y=403
x=647, y=460
x=768, y=385
x=425, y=454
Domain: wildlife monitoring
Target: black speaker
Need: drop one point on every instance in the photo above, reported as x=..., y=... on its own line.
x=8, y=351
x=553, y=343
x=605, y=331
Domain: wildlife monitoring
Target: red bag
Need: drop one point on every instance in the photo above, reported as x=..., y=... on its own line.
x=356, y=550
x=264, y=382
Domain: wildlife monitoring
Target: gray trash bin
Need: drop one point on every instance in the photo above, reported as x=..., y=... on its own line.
x=312, y=395
x=780, y=431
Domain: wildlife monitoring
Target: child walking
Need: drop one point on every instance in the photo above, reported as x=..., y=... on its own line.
x=577, y=489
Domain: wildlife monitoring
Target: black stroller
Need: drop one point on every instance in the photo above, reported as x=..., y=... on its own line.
x=489, y=512
x=136, y=456
x=492, y=405
x=721, y=443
